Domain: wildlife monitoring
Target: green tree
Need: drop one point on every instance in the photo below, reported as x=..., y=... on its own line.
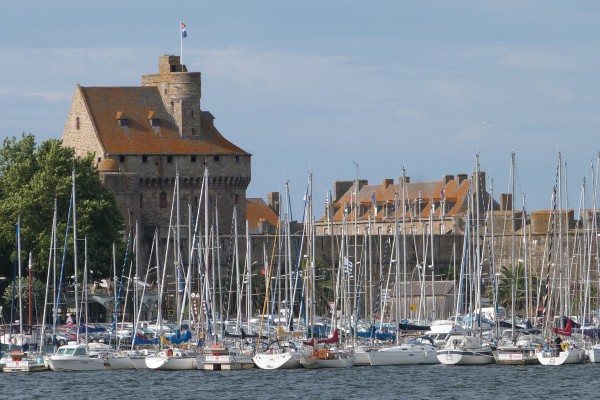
x=507, y=273
x=32, y=179
x=38, y=291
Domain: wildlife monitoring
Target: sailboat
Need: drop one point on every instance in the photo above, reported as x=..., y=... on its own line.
x=415, y=350
x=284, y=351
x=78, y=356
x=19, y=360
x=466, y=348
x=173, y=355
x=329, y=354
x=516, y=348
x=559, y=351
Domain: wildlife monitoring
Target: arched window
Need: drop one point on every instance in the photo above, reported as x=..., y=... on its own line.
x=163, y=200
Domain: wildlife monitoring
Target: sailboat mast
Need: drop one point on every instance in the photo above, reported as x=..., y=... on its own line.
x=404, y=263
x=76, y=319
x=397, y=265
x=20, y=279
x=85, y=283
x=513, y=247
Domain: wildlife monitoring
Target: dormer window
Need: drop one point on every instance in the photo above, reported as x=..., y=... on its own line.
x=152, y=119
x=121, y=120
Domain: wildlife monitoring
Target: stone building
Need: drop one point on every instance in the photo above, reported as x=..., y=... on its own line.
x=357, y=205
x=143, y=137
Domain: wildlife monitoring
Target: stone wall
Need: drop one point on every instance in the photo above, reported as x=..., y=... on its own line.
x=79, y=132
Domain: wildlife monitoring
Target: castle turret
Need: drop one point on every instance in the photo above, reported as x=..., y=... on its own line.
x=180, y=91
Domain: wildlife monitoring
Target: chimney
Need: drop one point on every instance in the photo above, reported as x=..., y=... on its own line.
x=479, y=182
x=387, y=182
x=340, y=188
x=448, y=178
x=461, y=178
x=505, y=201
x=273, y=201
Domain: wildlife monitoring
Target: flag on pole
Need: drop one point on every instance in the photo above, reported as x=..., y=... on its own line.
x=183, y=31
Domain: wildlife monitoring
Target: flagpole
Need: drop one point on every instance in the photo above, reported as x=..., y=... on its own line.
x=181, y=44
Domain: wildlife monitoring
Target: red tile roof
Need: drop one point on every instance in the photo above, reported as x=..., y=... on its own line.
x=136, y=104
x=257, y=210
x=453, y=193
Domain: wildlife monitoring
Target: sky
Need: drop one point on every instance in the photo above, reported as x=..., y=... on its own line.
x=341, y=89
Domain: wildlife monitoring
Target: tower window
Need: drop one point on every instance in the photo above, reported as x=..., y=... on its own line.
x=121, y=158
x=216, y=158
x=193, y=158
x=169, y=159
x=144, y=158
x=77, y=125
x=141, y=200
x=237, y=159
x=237, y=198
x=192, y=113
x=163, y=200
x=193, y=131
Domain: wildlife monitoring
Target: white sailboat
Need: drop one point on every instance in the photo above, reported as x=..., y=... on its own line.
x=19, y=360
x=329, y=354
x=79, y=356
x=466, y=348
x=171, y=356
x=412, y=352
x=285, y=351
x=560, y=351
x=279, y=355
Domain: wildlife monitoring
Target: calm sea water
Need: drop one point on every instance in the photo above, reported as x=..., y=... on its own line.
x=393, y=382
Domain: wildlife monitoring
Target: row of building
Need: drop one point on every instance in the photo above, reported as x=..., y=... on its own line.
x=144, y=137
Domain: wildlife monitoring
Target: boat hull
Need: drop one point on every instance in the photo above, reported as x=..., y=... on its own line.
x=516, y=356
x=361, y=358
x=29, y=365
x=226, y=362
x=337, y=362
x=287, y=360
x=593, y=354
x=403, y=356
x=569, y=356
x=465, y=357
x=120, y=361
x=76, y=363
x=173, y=363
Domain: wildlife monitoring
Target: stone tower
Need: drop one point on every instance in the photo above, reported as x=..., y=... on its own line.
x=145, y=137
